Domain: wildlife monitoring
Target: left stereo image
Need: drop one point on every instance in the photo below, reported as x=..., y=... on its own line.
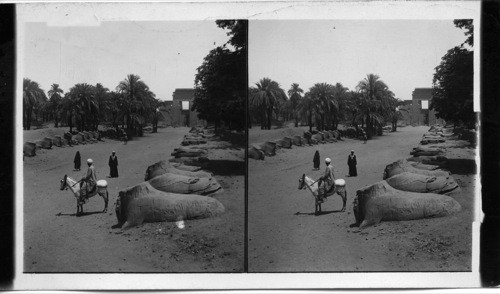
x=134, y=144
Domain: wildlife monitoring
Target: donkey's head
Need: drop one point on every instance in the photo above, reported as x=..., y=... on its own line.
x=302, y=182
x=64, y=183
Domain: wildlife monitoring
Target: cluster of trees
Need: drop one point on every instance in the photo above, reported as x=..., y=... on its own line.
x=221, y=81
x=371, y=105
x=453, y=82
x=220, y=94
x=85, y=106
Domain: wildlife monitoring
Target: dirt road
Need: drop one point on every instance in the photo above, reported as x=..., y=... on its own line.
x=285, y=236
x=55, y=240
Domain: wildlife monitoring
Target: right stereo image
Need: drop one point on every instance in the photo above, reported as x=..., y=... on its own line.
x=361, y=145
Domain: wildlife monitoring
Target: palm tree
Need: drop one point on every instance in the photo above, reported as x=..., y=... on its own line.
x=307, y=109
x=140, y=101
x=374, y=91
x=67, y=110
x=337, y=108
x=286, y=111
x=325, y=103
x=84, y=105
x=350, y=107
x=397, y=113
x=102, y=99
x=295, y=96
x=55, y=102
x=116, y=107
x=256, y=109
x=33, y=95
x=267, y=96
x=387, y=109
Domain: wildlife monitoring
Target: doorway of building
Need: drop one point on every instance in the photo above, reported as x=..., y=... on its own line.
x=185, y=118
x=426, y=117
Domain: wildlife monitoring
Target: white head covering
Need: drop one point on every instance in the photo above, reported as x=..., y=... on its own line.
x=352, y=151
x=90, y=160
x=328, y=160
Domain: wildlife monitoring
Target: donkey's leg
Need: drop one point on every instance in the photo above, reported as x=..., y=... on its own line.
x=343, y=195
x=105, y=197
x=344, y=198
x=318, y=207
x=79, y=207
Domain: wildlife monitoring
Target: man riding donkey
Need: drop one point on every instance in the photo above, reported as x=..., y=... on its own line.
x=326, y=183
x=90, y=179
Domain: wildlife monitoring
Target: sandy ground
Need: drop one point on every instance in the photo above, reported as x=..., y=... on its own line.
x=55, y=240
x=285, y=236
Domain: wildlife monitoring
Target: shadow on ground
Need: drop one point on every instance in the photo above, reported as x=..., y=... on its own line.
x=319, y=213
x=227, y=167
x=81, y=214
x=461, y=166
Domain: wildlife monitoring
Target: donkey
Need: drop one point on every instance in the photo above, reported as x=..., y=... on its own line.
x=74, y=186
x=340, y=189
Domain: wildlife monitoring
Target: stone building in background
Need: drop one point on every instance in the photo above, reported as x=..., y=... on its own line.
x=177, y=113
x=421, y=114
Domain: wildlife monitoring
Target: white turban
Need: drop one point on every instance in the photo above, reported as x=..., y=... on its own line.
x=90, y=160
x=328, y=160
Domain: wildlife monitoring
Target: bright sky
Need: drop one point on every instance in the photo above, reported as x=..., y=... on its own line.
x=403, y=53
x=164, y=54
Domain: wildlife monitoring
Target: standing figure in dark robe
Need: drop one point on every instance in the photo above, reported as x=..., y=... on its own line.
x=77, y=161
x=365, y=138
x=352, y=162
x=316, y=161
x=124, y=137
x=113, y=165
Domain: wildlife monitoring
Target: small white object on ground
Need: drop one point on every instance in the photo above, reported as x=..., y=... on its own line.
x=180, y=224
